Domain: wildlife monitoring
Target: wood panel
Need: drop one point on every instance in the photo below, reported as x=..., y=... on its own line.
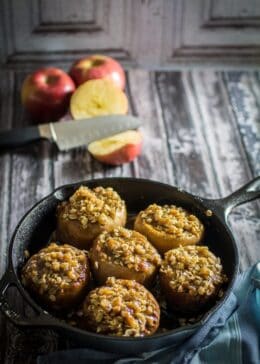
x=201, y=133
x=62, y=29
x=237, y=12
x=197, y=34
x=154, y=33
x=56, y=12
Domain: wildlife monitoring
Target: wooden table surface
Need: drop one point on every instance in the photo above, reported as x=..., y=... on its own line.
x=201, y=132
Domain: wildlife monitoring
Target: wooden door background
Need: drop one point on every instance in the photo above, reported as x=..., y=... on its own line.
x=150, y=33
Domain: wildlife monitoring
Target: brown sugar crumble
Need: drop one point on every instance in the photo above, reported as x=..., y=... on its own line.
x=122, y=308
x=172, y=220
x=26, y=253
x=54, y=269
x=208, y=213
x=89, y=206
x=127, y=248
x=194, y=270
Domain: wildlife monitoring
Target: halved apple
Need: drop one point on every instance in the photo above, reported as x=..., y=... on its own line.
x=117, y=149
x=98, y=97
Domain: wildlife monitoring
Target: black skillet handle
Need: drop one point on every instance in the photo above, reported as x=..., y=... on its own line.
x=42, y=320
x=5, y=282
x=249, y=192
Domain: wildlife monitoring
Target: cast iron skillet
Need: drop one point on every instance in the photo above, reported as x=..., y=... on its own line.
x=35, y=228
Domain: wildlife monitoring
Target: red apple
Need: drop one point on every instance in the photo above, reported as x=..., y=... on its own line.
x=46, y=94
x=98, y=66
x=118, y=149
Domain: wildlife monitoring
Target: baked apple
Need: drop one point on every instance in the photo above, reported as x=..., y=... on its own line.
x=190, y=278
x=124, y=253
x=87, y=213
x=58, y=275
x=169, y=226
x=121, y=308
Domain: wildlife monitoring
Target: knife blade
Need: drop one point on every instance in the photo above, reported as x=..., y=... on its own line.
x=70, y=134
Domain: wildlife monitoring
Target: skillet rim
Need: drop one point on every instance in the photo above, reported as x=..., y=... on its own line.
x=214, y=205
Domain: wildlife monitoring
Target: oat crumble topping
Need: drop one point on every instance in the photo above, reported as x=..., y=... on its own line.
x=127, y=248
x=208, y=213
x=122, y=308
x=172, y=220
x=92, y=206
x=193, y=269
x=54, y=269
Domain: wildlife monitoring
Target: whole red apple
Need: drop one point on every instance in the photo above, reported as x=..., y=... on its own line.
x=98, y=66
x=46, y=94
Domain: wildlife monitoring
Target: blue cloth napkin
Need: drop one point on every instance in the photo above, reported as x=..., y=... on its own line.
x=231, y=335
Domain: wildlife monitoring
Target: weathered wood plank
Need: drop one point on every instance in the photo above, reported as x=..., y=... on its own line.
x=6, y=86
x=225, y=153
x=30, y=180
x=186, y=147
x=5, y=163
x=244, y=94
x=155, y=162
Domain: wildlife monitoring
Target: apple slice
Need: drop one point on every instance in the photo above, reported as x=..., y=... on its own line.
x=117, y=149
x=98, y=97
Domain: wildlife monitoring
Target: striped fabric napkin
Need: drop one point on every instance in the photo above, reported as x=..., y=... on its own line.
x=231, y=335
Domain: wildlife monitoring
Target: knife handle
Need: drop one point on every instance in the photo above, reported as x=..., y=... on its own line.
x=18, y=137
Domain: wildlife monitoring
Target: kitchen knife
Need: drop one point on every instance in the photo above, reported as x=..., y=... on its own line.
x=70, y=134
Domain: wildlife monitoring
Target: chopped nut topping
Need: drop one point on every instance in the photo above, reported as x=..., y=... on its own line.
x=193, y=269
x=127, y=248
x=122, y=308
x=208, y=213
x=54, y=269
x=92, y=206
x=172, y=220
x=26, y=253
